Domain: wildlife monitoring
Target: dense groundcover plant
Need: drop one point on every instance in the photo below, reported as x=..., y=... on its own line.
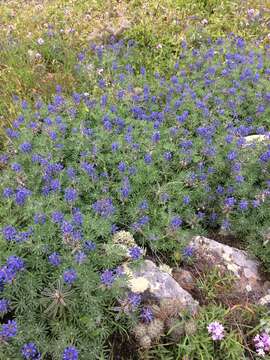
x=161, y=156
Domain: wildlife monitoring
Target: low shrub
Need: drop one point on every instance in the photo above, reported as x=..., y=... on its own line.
x=161, y=157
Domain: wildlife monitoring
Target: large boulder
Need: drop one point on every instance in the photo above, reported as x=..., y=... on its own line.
x=244, y=268
x=148, y=278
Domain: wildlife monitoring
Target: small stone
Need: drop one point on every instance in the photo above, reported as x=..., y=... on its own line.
x=185, y=279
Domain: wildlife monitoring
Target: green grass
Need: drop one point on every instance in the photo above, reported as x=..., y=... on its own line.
x=158, y=27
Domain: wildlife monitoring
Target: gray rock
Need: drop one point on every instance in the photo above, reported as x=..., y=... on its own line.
x=253, y=140
x=238, y=262
x=185, y=279
x=160, y=285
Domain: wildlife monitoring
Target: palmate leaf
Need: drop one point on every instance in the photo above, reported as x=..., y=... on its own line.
x=57, y=299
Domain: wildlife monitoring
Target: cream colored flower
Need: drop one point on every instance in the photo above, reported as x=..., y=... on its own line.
x=139, y=284
x=165, y=268
x=124, y=238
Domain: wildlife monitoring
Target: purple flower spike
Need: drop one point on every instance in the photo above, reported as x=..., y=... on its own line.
x=147, y=315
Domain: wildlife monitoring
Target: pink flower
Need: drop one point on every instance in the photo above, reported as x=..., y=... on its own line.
x=262, y=343
x=216, y=330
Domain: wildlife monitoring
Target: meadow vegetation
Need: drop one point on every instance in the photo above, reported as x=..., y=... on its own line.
x=125, y=131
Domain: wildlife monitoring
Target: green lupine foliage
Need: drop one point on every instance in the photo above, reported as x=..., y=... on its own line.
x=179, y=136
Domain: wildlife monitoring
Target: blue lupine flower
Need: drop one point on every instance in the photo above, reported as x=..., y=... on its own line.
x=70, y=276
x=176, y=222
x=24, y=104
x=167, y=156
x=148, y=159
x=243, y=205
x=16, y=167
x=4, y=306
x=24, y=235
x=135, y=252
x=80, y=257
x=15, y=263
x=71, y=195
x=7, y=192
x=54, y=259
x=70, y=353
x=125, y=189
x=156, y=137
x=144, y=205
x=119, y=271
x=256, y=203
x=67, y=227
x=115, y=146
x=6, y=275
x=89, y=169
x=265, y=157
x=9, y=233
x=188, y=251
x=89, y=246
x=9, y=330
x=186, y=199
x=39, y=218
x=104, y=207
x=114, y=228
x=147, y=315
x=21, y=195
x=57, y=217
x=30, y=351
x=55, y=185
x=71, y=172
x=164, y=197
x=122, y=166
x=232, y=155
x=229, y=202
x=12, y=133
x=239, y=178
x=134, y=300
x=225, y=224
x=25, y=147
x=107, y=278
